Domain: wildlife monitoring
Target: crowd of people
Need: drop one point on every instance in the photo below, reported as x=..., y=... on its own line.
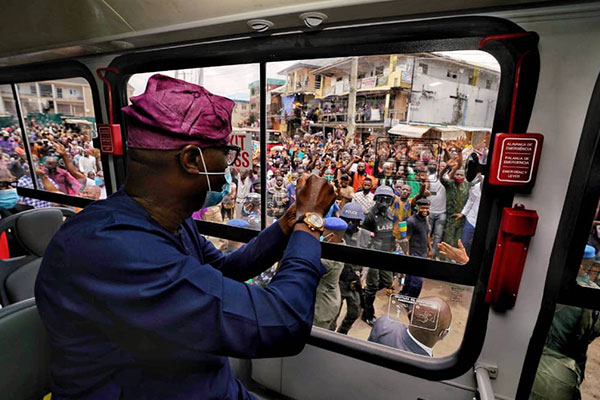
x=413, y=193
x=408, y=197
x=64, y=160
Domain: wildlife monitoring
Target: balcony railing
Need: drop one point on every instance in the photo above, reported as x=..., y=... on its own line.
x=300, y=87
x=382, y=80
x=372, y=82
x=397, y=115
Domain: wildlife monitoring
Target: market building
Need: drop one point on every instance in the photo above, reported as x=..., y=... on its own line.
x=371, y=94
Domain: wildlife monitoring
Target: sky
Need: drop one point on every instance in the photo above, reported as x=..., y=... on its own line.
x=223, y=81
x=232, y=79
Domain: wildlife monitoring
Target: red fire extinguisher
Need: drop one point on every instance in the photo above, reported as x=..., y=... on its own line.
x=516, y=229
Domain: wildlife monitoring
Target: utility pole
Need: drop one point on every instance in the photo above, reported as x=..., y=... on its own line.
x=200, y=81
x=412, y=82
x=352, y=98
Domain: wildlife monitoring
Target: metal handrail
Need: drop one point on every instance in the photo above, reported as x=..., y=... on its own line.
x=484, y=383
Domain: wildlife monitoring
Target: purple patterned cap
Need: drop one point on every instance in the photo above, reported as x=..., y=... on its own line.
x=172, y=113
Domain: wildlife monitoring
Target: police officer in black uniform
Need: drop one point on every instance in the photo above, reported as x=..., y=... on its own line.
x=380, y=221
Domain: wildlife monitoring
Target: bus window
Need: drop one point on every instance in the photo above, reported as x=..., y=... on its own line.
x=382, y=306
x=239, y=83
x=395, y=127
x=569, y=361
x=60, y=127
x=14, y=167
x=590, y=262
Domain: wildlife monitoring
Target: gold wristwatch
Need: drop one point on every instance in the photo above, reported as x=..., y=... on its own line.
x=313, y=221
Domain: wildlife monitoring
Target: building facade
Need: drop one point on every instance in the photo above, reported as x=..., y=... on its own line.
x=371, y=94
x=66, y=96
x=254, y=100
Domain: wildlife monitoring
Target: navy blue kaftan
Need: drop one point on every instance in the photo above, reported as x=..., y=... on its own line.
x=134, y=311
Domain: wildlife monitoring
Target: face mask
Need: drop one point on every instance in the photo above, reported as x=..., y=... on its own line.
x=98, y=181
x=213, y=198
x=352, y=227
x=8, y=198
x=329, y=178
x=459, y=180
x=245, y=211
x=431, y=170
x=366, y=191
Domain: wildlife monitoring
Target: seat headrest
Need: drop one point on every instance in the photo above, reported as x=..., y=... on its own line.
x=34, y=229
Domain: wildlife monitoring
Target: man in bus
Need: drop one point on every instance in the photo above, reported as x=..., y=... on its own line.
x=137, y=304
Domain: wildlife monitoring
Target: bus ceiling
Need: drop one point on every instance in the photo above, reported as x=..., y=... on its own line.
x=108, y=26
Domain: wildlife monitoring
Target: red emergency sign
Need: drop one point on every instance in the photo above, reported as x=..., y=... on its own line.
x=110, y=139
x=516, y=158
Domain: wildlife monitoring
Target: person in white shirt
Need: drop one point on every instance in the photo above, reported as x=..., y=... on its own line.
x=364, y=197
x=470, y=211
x=437, y=209
x=244, y=186
x=87, y=163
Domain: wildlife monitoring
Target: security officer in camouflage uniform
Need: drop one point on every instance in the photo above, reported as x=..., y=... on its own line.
x=457, y=193
x=380, y=221
x=562, y=366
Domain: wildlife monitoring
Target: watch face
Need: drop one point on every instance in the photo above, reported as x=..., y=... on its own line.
x=315, y=219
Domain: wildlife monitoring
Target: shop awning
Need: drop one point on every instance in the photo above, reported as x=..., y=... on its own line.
x=78, y=121
x=427, y=131
x=413, y=131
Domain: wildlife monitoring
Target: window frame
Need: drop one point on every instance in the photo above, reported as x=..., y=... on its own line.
x=459, y=33
x=579, y=209
x=54, y=71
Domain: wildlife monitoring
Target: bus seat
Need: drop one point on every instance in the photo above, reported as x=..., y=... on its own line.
x=33, y=230
x=19, y=285
x=24, y=353
x=238, y=367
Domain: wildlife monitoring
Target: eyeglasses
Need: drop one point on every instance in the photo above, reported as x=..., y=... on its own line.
x=7, y=185
x=231, y=152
